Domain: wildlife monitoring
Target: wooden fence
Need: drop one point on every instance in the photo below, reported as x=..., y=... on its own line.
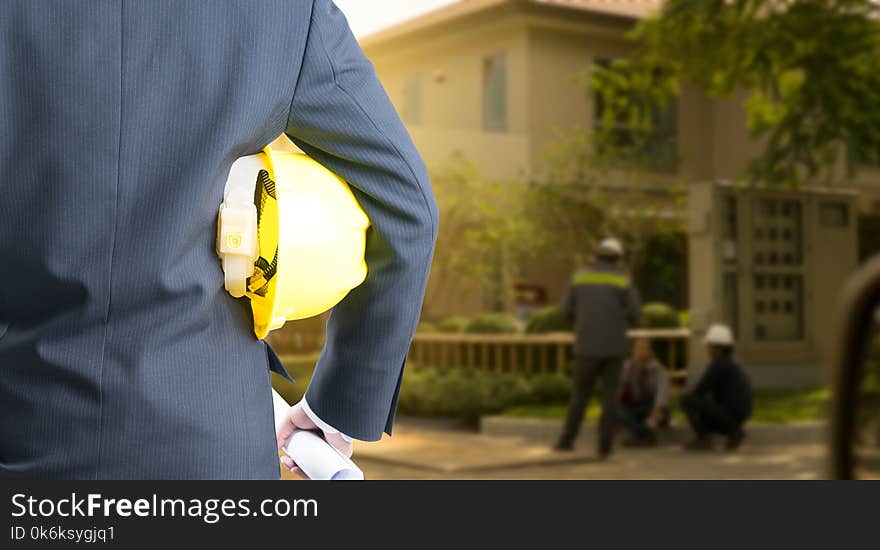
x=529, y=353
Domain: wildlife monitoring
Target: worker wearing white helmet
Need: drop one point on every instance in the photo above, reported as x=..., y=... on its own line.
x=610, y=249
x=602, y=305
x=719, y=335
x=721, y=402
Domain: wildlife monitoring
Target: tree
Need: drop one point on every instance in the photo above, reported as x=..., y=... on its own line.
x=583, y=196
x=810, y=70
x=491, y=230
x=483, y=233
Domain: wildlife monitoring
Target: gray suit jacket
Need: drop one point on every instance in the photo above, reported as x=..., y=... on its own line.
x=121, y=355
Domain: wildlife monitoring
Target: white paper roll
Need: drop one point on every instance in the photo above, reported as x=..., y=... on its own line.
x=311, y=452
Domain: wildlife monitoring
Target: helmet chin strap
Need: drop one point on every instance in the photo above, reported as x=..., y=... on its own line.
x=237, y=224
x=291, y=237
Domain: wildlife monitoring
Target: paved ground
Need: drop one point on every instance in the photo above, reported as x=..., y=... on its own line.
x=425, y=454
x=421, y=450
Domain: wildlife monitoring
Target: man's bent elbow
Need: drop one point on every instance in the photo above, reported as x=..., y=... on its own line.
x=429, y=220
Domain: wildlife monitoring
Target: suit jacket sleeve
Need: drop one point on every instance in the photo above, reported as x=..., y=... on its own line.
x=341, y=116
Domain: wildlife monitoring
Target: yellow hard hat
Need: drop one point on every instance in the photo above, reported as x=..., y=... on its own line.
x=291, y=236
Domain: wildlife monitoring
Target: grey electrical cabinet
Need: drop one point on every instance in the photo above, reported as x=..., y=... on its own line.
x=770, y=263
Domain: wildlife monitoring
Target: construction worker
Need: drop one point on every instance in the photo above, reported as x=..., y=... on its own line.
x=721, y=402
x=644, y=396
x=121, y=353
x=601, y=304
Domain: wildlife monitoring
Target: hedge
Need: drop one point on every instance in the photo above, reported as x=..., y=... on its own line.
x=452, y=324
x=494, y=323
x=461, y=393
x=548, y=319
x=659, y=315
x=469, y=394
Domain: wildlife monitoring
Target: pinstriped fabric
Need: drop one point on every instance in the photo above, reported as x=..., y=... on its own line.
x=341, y=116
x=123, y=357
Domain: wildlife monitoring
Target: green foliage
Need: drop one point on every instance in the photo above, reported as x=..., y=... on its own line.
x=548, y=319
x=575, y=210
x=662, y=268
x=452, y=324
x=549, y=388
x=491, y=229
x=810, y=71
x=426, y=327
x=427, y=392
x=494, y=323
x=658, y=315
x=463, y=393
x=781, y=406
x=484, y=234
x=468, y=394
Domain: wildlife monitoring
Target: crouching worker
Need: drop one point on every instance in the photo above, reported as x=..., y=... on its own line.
x=644, y=396
x=721, y=402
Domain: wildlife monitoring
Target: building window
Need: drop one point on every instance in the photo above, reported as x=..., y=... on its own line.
x=412, y=100
x=495, y=93
x=778, y=283
x=656, y=148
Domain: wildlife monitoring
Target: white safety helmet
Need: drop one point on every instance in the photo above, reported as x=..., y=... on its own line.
x=610, y=247
x=719, y=335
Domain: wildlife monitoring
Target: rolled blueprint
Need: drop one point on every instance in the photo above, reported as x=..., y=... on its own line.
x=311, y=452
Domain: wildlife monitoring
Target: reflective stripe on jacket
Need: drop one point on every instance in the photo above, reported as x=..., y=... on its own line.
x=602, y=305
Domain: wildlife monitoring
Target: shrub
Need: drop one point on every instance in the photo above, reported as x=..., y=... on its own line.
x=469, y=394
x=549, y=389
x=505, y=390
x=429, y=392
x=494, y=323
x=659, y=315
x=426, y=327
x=548, y=319
x=452, y=324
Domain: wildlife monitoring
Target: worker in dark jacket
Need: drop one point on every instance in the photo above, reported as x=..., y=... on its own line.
x=602, y=305
x=721, y=402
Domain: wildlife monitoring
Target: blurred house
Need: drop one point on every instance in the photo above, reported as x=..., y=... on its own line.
x=496, y=80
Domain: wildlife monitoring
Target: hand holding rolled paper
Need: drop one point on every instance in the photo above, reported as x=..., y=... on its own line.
x=313, y=456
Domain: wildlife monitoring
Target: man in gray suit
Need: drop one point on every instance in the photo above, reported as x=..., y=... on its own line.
x=121, y=354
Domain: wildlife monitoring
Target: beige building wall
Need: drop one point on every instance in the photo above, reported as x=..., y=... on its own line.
x=450, y=69
x=558, y=104
x=546, y=55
